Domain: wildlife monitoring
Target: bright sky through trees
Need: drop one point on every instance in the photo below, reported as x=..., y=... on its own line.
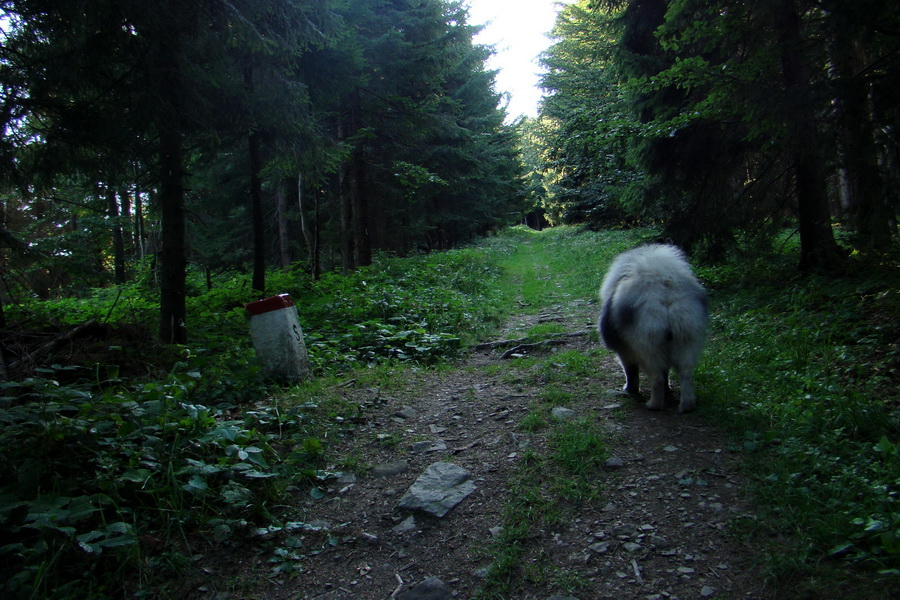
x=518, y=29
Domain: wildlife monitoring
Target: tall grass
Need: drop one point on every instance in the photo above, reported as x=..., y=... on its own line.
x=544, y=268
x=803, y=371
x=113, y=478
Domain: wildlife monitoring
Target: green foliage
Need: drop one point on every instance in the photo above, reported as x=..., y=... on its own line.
x=106, y=471
x=420, y=309
x=585, y=126
x=804, y=375
x=101, y=480
x=118, y=477
x=546, y=489
x=581, y=255
x=696, y=115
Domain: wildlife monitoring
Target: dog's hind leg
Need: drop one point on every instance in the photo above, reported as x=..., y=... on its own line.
x=688, y=395
x=658, y=391
x=632, y=378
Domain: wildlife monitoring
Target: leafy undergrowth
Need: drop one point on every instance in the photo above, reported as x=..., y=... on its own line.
x=805, y=373
x=123, y=458
x=114, y=475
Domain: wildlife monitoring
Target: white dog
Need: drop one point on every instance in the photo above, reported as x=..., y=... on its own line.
x=654, y=315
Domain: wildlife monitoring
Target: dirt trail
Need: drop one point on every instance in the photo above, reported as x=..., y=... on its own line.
x=657, y=528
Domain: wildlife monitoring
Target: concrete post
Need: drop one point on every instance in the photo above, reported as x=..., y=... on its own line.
x=278, y=338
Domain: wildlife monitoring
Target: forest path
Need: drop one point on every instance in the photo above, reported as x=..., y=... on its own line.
x=654, y=526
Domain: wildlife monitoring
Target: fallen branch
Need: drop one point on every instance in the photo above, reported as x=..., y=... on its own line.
x=550, y=319
x=500, y=344
x=464, y=448
x=516, y=342
x=526, y=347
x=637, y=571
x=399, y=587
x=54, y=343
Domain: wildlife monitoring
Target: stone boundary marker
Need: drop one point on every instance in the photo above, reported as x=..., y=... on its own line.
x=278, y=338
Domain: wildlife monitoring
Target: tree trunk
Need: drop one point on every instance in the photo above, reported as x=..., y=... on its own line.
x=311, y=237
x=118, y=239
x=125, y=213
x=361, y=242
x=256, y=209
x=259, y=246
x=345, y=200
x=173, y=256
x=3, y=374
x=868, y=207
x=284, y=246
x=172, y=308
x=317, y=238
x=138, y=224
x=818, y=248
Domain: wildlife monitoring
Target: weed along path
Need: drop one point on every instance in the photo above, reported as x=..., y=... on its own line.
x=521, y=473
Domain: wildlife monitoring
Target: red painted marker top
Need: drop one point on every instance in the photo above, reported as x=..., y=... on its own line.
x=269, y=304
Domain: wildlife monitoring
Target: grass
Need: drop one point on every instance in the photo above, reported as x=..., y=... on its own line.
x=804, y=373
x=550, y=268
x=110, y=480
x=553, y=266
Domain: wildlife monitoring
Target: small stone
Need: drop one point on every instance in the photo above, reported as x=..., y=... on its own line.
x=481, y=572
x=405, y=412
x=440, y=488
x=369, y=538
x=615, y=463
x=563, y=414
x=389, y=469
x=707, y=591
x=408, y=524
x=631, y=546
x=600, y=547
x=346, y=478
x=521, y=441
x=426, y=446
x=686, y=571
x=431, y=588
x=670, y=449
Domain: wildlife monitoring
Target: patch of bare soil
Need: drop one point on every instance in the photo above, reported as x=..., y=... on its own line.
x=659, y=528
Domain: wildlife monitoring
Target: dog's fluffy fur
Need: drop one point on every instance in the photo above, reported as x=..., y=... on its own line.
x=654, y=314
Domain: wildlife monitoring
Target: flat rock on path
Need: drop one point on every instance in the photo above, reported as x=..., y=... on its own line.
x=438, y=490
x=657, y=531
